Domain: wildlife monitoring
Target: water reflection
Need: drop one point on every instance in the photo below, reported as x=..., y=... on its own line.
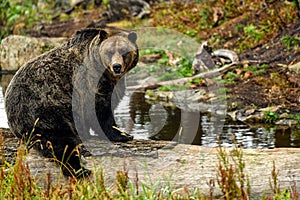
x=154, y=120
x=170, y=123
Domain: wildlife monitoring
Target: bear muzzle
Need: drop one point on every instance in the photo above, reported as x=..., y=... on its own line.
x=117, y=69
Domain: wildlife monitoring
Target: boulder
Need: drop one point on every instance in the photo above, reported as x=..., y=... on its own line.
x=295, y=68
x=15, y=50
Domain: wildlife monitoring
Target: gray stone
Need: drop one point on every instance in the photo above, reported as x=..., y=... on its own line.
x=15, y=50
x=295, y=68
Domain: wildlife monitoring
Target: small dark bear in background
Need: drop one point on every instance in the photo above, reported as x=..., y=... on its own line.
x=69, y=91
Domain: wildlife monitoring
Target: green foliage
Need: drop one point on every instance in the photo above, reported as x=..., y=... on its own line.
x=290, y=41
x=295, y=117
x=105, y=2
x=185, y=67
x=229, y=78
x=173, y=88
x=258, y=69
x=16, y=14
x=170, y=75
x=197, y=80
x=186, y=18
x=18, y=183
x=163, y=70
x=226, y=81
x=252, y=34
x=231, y=75
x=251, y=31
x=191, y=33
x=271, y=116
x=151, y=51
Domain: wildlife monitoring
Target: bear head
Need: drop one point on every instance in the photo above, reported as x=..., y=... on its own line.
x=118, y=53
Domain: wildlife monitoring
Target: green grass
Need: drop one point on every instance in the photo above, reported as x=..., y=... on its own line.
x=258, y=69
x=271, y=116
x=295, y=117
x=163, y=69
x=229, y=78
x=173, y=88
x=253, y=32
x=290, y=41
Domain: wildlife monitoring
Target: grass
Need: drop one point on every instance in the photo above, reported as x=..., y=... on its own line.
x=166, y=66
x=271, y=116
x=290, y=41
x=258, y=69
x=17, y=182
x=232, y=179
x=295, y=117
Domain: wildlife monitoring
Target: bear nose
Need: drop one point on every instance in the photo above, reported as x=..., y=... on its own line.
x=117, y=68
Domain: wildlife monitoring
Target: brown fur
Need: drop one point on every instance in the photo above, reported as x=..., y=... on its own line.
x=58, y=87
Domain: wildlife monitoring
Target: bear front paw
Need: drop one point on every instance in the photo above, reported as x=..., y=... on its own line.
x=84, y=152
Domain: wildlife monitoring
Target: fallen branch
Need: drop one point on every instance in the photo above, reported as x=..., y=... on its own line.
x=207, y=74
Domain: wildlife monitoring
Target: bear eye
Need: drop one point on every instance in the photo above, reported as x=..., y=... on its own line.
x=109, y=53
x=123, y=51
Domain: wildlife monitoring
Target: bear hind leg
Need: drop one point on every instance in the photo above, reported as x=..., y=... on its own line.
x=65, y=151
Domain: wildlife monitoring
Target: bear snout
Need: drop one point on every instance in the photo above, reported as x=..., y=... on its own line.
x=117, y=68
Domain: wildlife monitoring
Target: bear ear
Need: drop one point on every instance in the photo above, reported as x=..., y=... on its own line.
x=103, y=35
x=132, y=37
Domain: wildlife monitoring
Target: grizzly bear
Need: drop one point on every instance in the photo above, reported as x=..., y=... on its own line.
x=54, y=101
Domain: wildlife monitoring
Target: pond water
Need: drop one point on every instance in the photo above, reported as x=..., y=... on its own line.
x=154, y=120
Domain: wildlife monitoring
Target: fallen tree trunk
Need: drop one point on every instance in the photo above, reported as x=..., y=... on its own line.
x=207, y=74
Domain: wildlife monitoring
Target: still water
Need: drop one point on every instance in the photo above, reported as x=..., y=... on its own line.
x=153, y=120
x=138, y=117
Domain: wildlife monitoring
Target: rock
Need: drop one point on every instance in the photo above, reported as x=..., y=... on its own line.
x=15, y=50
x=295, y=68
x=271, y=109
x=287, y=122
x=250, y=116
x=284, y=115
x=134, y=8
